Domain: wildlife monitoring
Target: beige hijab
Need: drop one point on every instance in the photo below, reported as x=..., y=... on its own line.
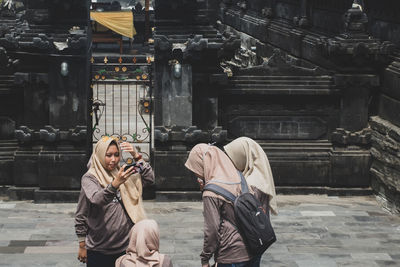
x=131, y=190
x=250, y=158
x=143, y=248
x=212, y=164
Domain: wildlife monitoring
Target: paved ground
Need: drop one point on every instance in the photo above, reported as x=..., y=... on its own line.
x=311, y=231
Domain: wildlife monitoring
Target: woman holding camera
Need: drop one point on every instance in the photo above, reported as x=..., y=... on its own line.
x=110, y=203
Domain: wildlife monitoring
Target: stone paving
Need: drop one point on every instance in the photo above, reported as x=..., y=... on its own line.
x=313, y=230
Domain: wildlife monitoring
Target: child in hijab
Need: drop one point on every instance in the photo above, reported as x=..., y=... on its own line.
x=110, y=203
x=249, y=158
x=143, y=248
x=221, y=237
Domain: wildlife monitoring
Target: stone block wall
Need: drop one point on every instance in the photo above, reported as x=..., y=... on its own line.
x=385, y=168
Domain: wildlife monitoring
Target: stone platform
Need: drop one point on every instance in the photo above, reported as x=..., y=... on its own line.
x=312, y=230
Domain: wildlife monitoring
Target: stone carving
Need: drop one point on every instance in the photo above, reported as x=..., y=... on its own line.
x=78, y=134
x=49, y=134
x=343, y=137
x=218, y=135
x=24, y=134
x=355, y=42
x=77, y=42
x=301, y=22
x=161, y=42
x=278, y=63
x=189, y=135
x=242, y=5
x=192, y=134
x=355, y=19
x=161, y=134
x=42, y=42
x=267, y=12
x=197, y=43
x=9, y=41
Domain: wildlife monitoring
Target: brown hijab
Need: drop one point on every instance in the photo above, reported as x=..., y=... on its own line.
x=249, y=158
x=212, y=164
x=131, y=190
x=143, y=248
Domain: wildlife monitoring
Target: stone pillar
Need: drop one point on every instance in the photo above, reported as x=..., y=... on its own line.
x=355, y=97
x=176, y=95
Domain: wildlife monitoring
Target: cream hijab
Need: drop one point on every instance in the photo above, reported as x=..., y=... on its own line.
x=131, y=190
x=250, y=158
x=212, y=164
x=143, y=248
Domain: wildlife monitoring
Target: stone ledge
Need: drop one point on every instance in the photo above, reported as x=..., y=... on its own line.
x=385, y=127
x=71, y=196
x=330, y=191
x=388, y=197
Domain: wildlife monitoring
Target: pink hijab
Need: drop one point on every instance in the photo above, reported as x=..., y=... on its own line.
x=212, y=164
x=143, y=248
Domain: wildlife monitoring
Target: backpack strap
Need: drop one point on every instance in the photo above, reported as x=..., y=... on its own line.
x=220, y=191
x=243, y=183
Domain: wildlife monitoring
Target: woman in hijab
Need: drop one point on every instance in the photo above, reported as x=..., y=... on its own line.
x=221, y=237
x=110, y=203
x=143, y=248
x=249, y=158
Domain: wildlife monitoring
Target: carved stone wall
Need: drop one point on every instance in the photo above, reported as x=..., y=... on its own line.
x=46, y=89
x=385, y=168
x=301, y=77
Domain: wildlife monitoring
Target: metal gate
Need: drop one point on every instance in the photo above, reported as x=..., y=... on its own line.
x=122, y=103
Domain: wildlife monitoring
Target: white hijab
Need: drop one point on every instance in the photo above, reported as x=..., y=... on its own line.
x=249, y=158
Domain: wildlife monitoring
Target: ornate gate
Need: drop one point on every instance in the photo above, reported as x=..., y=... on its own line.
x=122, y=101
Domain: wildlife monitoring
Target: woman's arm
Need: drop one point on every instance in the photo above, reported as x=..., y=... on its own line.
x=81, y=216
x=211, y=227
x=81, y=225
x=95, y=194
x=147, y=175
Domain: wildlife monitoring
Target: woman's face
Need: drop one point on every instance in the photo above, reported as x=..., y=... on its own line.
x=112, y=157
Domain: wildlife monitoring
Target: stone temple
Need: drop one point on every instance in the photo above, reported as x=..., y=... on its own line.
x=315, y=82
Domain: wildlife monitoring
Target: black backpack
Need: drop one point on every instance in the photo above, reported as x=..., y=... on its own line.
x=251, y=219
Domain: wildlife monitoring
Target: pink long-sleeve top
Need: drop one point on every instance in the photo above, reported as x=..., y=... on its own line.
x=221, y=238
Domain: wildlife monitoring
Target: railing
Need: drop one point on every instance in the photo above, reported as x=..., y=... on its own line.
x=122, y=109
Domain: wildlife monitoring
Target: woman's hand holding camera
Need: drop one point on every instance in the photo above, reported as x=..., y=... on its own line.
x=122, y=176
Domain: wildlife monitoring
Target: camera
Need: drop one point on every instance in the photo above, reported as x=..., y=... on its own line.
x=137, y=167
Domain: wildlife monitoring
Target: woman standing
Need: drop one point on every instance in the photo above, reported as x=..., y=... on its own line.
x=143, y=249
x=221, y=237
x=110, y=203
x=249, y=158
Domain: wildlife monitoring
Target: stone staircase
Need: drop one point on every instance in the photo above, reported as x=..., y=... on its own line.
x=180, y=34
x=282, y=85
x=7, y=150
x=6, y=84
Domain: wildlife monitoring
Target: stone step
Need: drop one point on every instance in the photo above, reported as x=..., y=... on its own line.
x=5, y=91
x=51, y=196
x=6, y=83
x=7, y=149
x=6, y=77
x=183, y=40
x=251, y=78
x=291, y=82
x=278, y=86
x=284, y=91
